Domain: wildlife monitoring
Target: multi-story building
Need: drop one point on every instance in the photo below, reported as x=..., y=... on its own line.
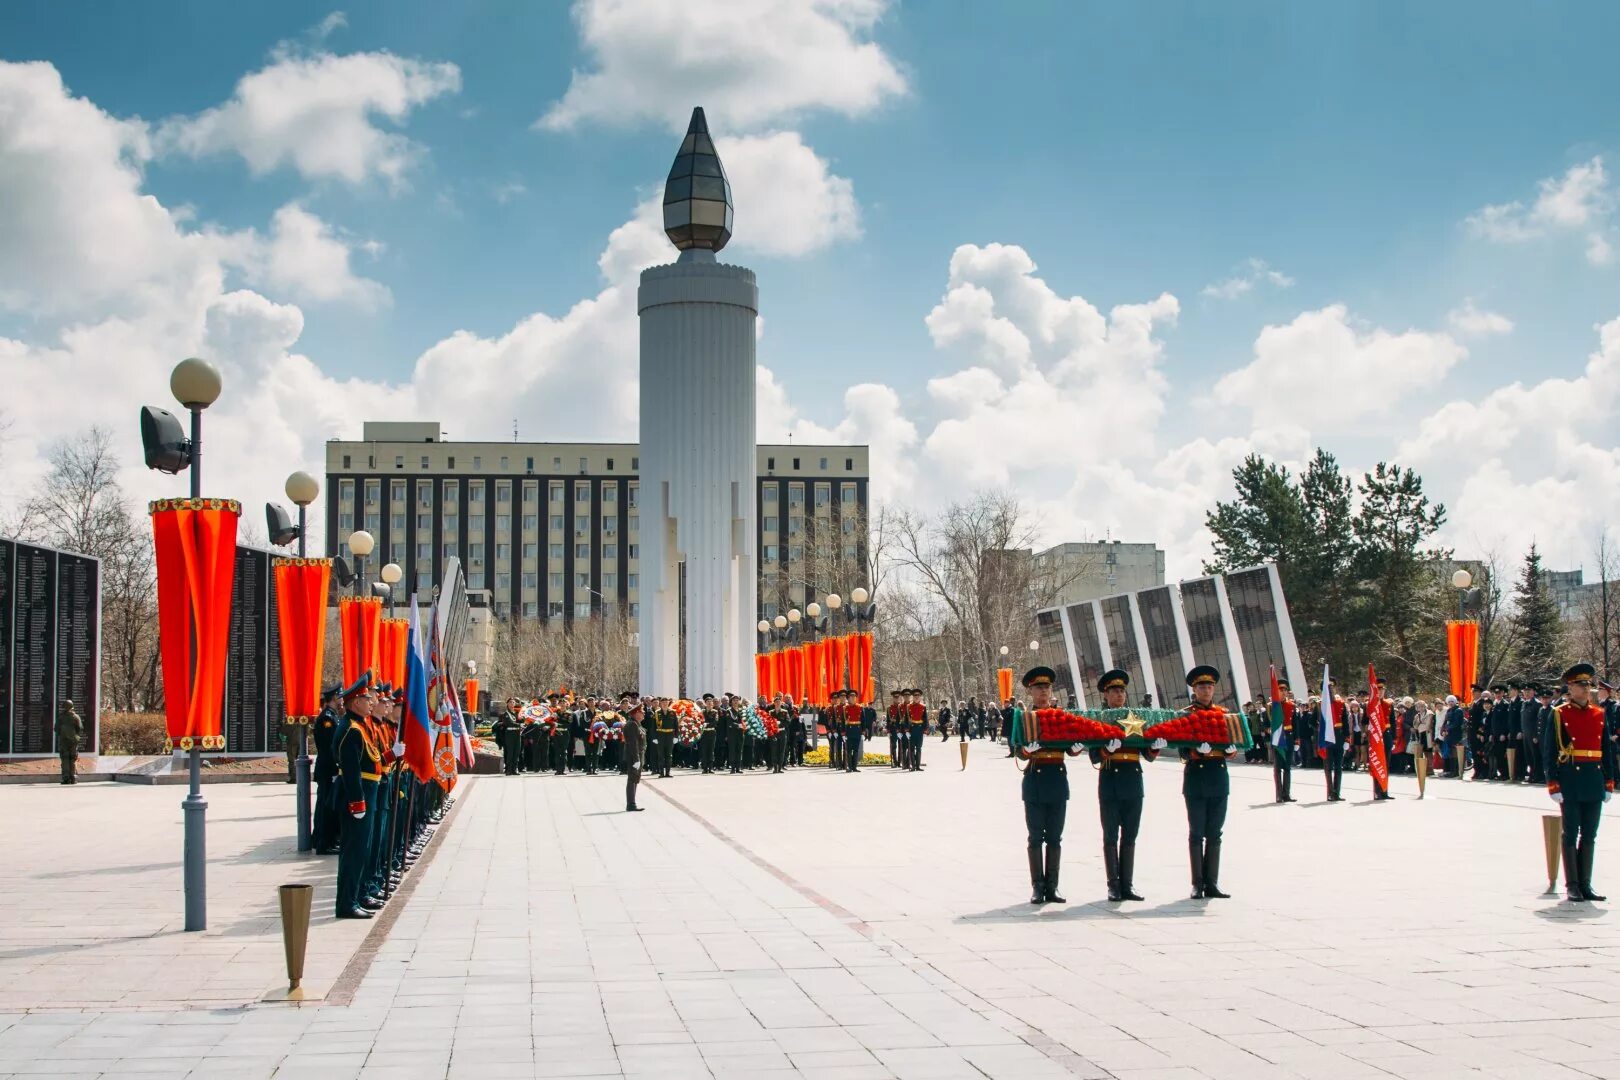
x=1089, y=569
x=551, y=530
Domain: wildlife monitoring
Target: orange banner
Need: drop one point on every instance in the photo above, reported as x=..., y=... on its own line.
x=393, y=637
x=360, y=620
x=470, y=688
x=835, y=663
x=860, y=666
x=1462, y=648
x=194, y=545
x=1004, y=684
x=301, y=589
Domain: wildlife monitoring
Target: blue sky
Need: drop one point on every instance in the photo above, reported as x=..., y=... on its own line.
x=1129, y=150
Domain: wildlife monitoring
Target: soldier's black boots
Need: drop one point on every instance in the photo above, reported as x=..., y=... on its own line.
x=1585, y=852
x=1054, y=859
x=1127, y=872
x=1037, y=876
x=1212, y=871
x=1111, y=865
x=1572, y=874
x=1195, y=857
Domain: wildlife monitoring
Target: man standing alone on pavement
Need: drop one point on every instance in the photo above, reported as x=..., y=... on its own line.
x=634, y=741
x=69, y=730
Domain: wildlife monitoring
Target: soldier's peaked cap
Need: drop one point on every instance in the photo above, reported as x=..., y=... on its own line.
x=1039, y=676
x=1203, y=673
x=1582, y=672
x=358, y=687
x=1111, y=679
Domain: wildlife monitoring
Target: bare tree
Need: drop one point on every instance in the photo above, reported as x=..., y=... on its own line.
x=534, y=657
x=1498, y=634
x=79, y=506
x=1595, y=629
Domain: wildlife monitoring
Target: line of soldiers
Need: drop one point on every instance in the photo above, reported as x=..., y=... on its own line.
x=371, y=811
x=1205, y=789
x=907, y=724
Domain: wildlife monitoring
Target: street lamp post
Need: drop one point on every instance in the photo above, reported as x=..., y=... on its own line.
x=196, y=384
x=1460, y=581
x=360, y=545
x=302, y=489
x=391, y=575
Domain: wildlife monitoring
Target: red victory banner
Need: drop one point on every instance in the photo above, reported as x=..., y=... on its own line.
x=1377, y=708
x=1462, y=649
x=471, y=689
x=860, y=665
x=394, y=636
x=1004, y=684
x=194, y=543
x=360, y=620
x=762, y=674
x=835, y=663
x=301, y=590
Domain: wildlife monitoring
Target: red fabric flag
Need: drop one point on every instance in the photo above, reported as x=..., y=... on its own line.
x=301, y=588
x=1377, y=763
x=360, y=620
x=835, y=663
x=194, y=547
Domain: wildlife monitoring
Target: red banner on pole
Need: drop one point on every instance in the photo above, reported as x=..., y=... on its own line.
x=835, y=663
x=1462, y=649
x=393, y=640
x=360, y=620
x=194, y=546
x=1377, y=762
x=301, y=590
x=1004, y=684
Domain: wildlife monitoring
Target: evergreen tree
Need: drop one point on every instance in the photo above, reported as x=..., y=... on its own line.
x=1403, y=603
x=1540, y=629
x=1265, y=522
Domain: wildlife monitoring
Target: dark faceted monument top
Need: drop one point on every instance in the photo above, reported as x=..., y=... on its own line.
x=697, y=195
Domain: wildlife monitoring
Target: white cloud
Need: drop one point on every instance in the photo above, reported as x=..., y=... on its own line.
x=1580, y=200
x=1250, y=273
x=749, y=63
x=1321, y=364
x=305, y=259
x=793, y=205
x=330, y=25
x=1471, y=321
x=318, y=115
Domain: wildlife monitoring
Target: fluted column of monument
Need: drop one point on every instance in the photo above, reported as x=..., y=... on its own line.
x=697, y=441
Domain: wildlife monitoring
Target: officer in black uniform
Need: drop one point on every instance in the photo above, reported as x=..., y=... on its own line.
x=325, y=834
x=1497, y=726
x=1046, y=797
x=508, y=730
x=1119, y=794
x=1479, y=737
x=359, y=768
x=1535, y=727
x=711, y=729
x=1205, y=786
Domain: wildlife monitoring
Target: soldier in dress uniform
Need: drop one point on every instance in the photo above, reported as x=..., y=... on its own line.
x=562, y=740
x=891, y=724
x=324, y=773
x=1119, y=794
x=1338, y=725
x=711, y=729
x=1535, y=728
x=1205, y=787
x=1579, y=761
x=634, y=745
x=1046, y=797
x=735, y=718
x=850, y=719
x=917, y=729
x=833, y=721
x=359, y=770
x=1282, y=748
x=1497, y=729
x=664, y=725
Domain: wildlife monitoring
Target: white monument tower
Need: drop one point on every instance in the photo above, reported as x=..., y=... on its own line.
x=698, y=546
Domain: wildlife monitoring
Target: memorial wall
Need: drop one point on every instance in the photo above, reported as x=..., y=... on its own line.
x=50, y=645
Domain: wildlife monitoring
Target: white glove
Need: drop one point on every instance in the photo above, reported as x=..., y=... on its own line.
x=1231, y=749
x=360, y=815
x=1159, y=744
x=1557, y=796
x=1203, y=748
x=1032, y=748
x=1114, y=744
x=399, y=749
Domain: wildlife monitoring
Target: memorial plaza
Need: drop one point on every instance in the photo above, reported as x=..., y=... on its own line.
x=816, y=924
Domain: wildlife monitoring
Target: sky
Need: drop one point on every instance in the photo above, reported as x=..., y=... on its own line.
x=1092, y=253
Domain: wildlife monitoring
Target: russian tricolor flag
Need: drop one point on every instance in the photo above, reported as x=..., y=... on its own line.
x=416, y=726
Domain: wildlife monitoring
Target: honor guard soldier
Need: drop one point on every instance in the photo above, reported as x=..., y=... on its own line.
x=1205, y=787
x=358, y=771
x=634, y=746
x=664, y=724
x=917, y=728
x=1580, y=765
x=1337, y=723
x=891, y=724
x=852, y=716
x=1497, y=729
x=1119, y=794
x=711, y=729
x=833, y=721
x=1046, y=798
x=735, y=716
x=562, y=739
x=1283, y=742
x=325, y=835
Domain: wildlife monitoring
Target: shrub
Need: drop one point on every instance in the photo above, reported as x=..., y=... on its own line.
x=133, y=733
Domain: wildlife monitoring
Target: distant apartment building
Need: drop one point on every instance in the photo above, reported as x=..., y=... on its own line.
x=1086, y=570
x=551, y=530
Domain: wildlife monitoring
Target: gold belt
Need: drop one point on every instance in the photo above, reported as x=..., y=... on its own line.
x=1588, y=755
x=1124, y=756
x=370, y=776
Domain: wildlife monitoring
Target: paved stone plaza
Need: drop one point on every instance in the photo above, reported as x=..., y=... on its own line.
x=824, y=925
